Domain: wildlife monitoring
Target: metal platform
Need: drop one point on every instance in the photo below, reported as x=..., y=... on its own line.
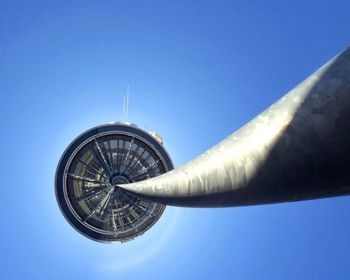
x=90, y=170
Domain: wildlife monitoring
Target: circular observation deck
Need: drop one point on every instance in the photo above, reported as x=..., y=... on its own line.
x=88, y=175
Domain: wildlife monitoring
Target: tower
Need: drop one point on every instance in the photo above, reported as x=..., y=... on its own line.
x=298, y=148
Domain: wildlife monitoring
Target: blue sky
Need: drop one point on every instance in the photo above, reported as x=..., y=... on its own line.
x=197, y=71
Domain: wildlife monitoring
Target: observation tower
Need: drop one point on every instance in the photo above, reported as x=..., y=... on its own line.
x=296, y=149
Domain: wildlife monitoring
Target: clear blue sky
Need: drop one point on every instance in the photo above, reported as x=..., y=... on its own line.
x=197, y=71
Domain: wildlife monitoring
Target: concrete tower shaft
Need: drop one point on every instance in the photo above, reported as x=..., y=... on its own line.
x=298, y=148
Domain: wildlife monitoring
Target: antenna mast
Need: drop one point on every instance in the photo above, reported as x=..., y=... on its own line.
x=126, y=104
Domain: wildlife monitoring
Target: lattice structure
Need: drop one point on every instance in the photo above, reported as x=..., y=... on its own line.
x=90, y=171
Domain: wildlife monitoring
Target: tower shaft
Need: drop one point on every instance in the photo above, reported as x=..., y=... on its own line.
x=298, y=148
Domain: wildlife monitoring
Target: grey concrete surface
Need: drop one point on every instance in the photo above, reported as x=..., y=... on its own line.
x=298, y=148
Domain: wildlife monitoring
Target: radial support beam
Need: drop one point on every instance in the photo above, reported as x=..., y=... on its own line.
x=298, y=148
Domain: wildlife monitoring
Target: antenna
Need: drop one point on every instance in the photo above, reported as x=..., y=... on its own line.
x=126, y=104
x=123, y=118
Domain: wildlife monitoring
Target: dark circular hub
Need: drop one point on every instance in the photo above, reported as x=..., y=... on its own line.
x=119, y=180
x=90, y=171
